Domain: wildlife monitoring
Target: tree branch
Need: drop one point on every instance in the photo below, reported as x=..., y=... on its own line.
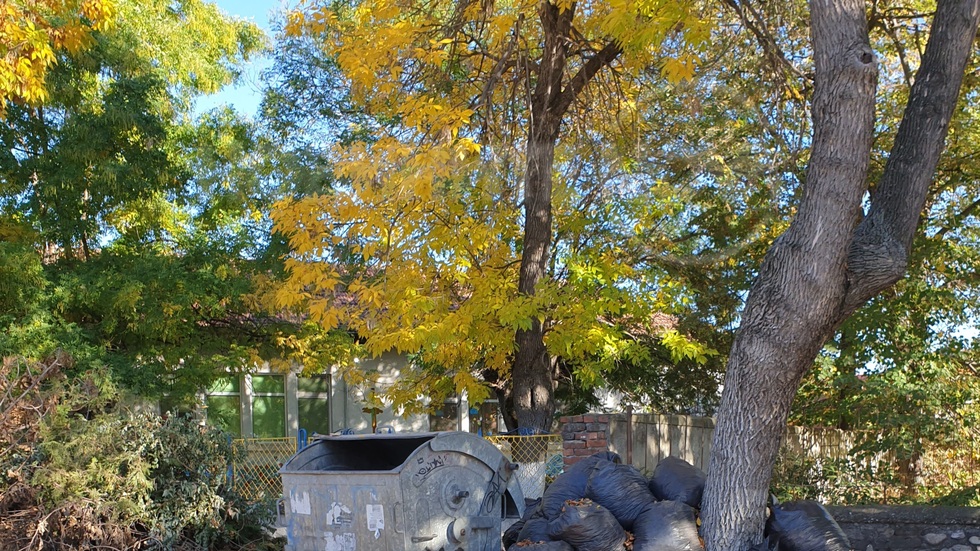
x=878, y=254
x=604, y=57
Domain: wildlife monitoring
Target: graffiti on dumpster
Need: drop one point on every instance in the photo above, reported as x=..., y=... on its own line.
x=494, y=490
x=426, y=465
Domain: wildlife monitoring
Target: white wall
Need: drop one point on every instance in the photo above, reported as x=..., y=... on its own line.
x=346, y=401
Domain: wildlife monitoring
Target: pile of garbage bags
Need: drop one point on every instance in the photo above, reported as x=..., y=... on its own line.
x=600, y=504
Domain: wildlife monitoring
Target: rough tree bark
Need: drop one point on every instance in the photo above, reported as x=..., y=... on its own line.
x=532, y=372
x=831, y=260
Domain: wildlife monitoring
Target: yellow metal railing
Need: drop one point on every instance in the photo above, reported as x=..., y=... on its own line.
x=539, y=456
x=255, y=472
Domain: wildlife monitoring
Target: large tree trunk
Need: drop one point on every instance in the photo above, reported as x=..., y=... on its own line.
x=826, y=265
x=532, y=373
x=533, y=383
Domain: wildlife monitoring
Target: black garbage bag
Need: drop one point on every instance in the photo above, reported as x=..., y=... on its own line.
x=767, y=544
x=587, y=526
x=541, y=546
x=620, y=488
x=572, y=483
x=511, y=534
x=535, y=528
x=666, y=526
x=805, y=526
x=677, y=480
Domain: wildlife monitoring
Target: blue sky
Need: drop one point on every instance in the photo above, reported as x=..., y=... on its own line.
x=246, y=95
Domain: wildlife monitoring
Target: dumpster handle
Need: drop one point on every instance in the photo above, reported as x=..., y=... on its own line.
x=280, y=511
x=420, y=539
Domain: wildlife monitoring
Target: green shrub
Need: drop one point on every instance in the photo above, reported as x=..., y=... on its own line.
x=92, y=476
x=948, y=480
x=165, y=479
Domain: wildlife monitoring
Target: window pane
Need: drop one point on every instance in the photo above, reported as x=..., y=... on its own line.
x=313, y=384
x=313, y=415
x=269, y=416
x=168, y=405
x=445, y=418
x=230, y=383
x=268, y=384
x=485, y=422
x=225, y=413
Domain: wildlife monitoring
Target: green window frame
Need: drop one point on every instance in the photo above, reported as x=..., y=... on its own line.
x=268, y=406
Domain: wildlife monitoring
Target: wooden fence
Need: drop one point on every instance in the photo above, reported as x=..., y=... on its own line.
x=647, y=438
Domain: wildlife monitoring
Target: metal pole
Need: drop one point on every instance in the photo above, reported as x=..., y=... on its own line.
x=629, y=434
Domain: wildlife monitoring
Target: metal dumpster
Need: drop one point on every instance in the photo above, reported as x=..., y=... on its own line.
x=444, y=491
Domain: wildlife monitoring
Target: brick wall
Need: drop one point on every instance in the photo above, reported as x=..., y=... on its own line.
x=584, y=435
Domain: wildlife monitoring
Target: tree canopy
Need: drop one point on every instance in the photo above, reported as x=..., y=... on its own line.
x=134, y=233
x=31, y=37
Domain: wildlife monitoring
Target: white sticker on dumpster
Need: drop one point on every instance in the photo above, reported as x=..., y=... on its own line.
x=339, y=515
x=300, y=504
x=375, y=518
x=339, y=542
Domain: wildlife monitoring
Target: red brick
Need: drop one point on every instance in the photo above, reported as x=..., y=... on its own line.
x=589, y=418
x=596, y=427
x=573, y=427
x=603, y=418
x=596, y=443
x=595, y=436
x=572, y=444
x=584, y=452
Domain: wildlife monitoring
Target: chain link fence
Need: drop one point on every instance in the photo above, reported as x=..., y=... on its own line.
x=255, y=472
x=539, y=456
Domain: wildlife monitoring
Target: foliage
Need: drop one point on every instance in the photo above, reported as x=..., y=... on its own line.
x=21, y=279
x=103, y=154
x=948, y=477
x=838, y=481
x=88, y=474
x=31, y=36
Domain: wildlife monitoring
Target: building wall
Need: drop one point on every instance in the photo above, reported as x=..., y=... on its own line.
x=347, y=401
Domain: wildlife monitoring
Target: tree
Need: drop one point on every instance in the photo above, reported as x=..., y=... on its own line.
x=441, y=242
x=834, y=257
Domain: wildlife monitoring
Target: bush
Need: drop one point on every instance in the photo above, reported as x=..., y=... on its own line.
x=91, y=476
x=840, y=481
